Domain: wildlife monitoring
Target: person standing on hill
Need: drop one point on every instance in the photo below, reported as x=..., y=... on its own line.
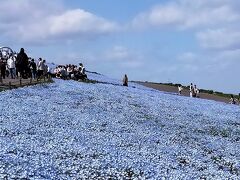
x=191, y=90
x=22, y=63
x=194, y=91
x=232, y=100
x=180, y=88
x=125, y=80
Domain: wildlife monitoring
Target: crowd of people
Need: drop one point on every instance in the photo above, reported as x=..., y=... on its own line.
x=19, y=65
x=193, y=90
x=234, y=100
x=71, y=71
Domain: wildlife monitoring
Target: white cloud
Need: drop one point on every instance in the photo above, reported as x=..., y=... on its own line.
x=122, y=56
x=21, y=11
x=159, y=16
x=219, y=39
x=189, y=14
x=117, y=53
x=34, y=21
x=131, y=64
x=72, y=23
x=215, y=23
x=79, y=21
x=187, y=57
x=214, y=62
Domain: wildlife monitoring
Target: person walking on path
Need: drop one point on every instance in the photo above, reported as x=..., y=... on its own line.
x=180, y=88
x=191, y=90
x=194, y=91
x=232, y=100
x=125, y=80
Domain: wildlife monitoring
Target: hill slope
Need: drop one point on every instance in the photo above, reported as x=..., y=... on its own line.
x=72, y=129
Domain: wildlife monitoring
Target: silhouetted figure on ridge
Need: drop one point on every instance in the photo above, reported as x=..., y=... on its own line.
x=125, y=80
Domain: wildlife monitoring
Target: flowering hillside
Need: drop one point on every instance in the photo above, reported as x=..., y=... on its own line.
x=70, y=129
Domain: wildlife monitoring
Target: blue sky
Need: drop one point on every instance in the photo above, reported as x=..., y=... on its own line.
x=179, y=41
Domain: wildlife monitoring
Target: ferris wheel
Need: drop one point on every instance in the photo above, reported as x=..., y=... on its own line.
x=5, y=52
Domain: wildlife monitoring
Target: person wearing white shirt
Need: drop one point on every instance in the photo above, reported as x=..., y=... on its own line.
x=196, y=91
x=191, y=90
x=180, y=90
x=11, y=66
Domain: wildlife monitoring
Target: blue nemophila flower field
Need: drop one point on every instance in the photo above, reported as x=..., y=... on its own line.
x=70, y=129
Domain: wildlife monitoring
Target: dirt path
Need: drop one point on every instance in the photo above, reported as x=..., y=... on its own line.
x=185, y=92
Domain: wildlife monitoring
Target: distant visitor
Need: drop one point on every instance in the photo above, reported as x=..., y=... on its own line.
x=180, y=88
x=125, y=80
x=22, y=64
x=232, y=100
x=191, y=90
x=195, y=91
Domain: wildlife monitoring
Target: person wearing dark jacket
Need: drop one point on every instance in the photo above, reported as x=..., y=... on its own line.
x=33, y=68
x=22, y=63
x=125, y=80
x=2, y=68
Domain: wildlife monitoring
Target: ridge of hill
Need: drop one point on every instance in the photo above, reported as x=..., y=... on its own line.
x=173, y=88
x=70, y=129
